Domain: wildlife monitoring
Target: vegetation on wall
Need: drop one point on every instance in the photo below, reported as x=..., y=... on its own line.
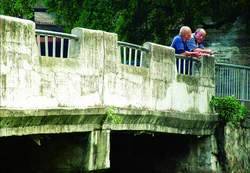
x=112, y=116
x=229, y=109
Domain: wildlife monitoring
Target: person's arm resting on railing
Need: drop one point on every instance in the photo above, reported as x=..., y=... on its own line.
x=196, y=43
x=180, y=41
x=199, y=50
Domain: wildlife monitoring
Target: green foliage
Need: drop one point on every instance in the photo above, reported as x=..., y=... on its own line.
x=135, y=21
x=17, y=8
x=138, y=21
x=229, y=109
x=112, y=116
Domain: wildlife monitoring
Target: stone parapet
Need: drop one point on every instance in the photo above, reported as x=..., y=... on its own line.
x=93, y=75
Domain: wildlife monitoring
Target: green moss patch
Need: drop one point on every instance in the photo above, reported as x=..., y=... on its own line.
x=167, y=121
x=10, y=122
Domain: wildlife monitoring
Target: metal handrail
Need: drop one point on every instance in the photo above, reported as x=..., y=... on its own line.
x=187, y=65
x=53, y=33
x=187, y=57
x=132, y=54
x=233, y=65
x=49, y=40
x=232, y=80
x=121, y=43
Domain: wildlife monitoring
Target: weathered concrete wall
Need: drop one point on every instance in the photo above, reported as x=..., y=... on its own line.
x=30, y=81
x=50, y=121
x=94, y=76
x=201, y=157
x=159, y=87
x=234, y=150
x=18, y=61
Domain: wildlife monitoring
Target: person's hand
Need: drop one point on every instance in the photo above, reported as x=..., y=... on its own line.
x=196, y=54
x=209, y=51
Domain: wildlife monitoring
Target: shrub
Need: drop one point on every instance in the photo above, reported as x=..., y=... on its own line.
x=229, y=109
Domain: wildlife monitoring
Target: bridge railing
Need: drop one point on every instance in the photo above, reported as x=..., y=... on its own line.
x=187, y=65
x=54, y=44
x=132, y=54
x=97, y=77
x=232, y=80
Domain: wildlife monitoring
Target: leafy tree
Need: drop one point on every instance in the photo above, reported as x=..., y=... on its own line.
x=135, y=21
x=17, y=8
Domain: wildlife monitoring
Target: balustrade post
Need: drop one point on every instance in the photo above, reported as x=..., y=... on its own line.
x=18, y=57
x=162, y=62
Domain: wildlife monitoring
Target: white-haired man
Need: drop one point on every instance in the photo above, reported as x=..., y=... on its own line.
x=180, y=43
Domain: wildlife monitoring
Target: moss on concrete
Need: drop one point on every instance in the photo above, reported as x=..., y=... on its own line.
x=29, y=29
x=2, y=29
x=3, y=85
x=15, y=28
x=59, y=63
x=246, y=122
x=193, y=110
x=166, y=121
x=97, y=118
x=10, y=122
x=189, y=80
x=142, y=71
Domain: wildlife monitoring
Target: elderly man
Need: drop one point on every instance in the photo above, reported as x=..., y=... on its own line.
x=180, y=43
x=196, y=43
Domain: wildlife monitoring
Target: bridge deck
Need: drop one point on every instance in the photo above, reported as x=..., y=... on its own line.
x=65, y=120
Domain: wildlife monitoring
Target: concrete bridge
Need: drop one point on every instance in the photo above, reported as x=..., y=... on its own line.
x=95, y=93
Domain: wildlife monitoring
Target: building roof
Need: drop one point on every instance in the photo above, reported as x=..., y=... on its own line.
x=44, y=18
